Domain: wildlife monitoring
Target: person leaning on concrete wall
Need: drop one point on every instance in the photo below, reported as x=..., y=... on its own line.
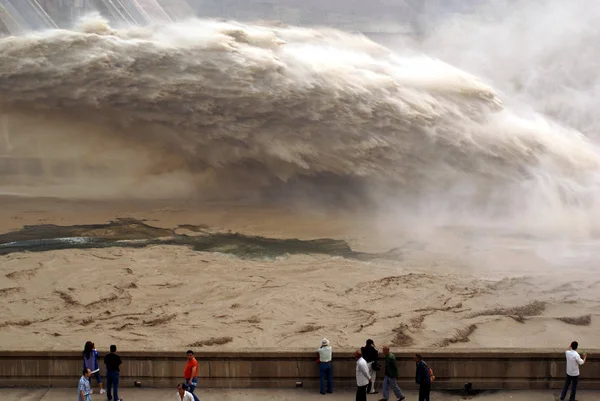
x=573, y=363
x=325, y=366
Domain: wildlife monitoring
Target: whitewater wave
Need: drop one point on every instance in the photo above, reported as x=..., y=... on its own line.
x=274, y=108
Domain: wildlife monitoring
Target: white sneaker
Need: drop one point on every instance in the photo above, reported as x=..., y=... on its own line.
x=102, y=391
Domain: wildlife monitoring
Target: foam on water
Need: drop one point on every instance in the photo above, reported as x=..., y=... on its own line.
x=221, y=108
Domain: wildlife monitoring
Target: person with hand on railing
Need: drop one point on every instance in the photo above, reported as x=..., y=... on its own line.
x=573, y=363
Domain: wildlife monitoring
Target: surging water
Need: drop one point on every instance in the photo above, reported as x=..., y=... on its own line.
x=229, y=110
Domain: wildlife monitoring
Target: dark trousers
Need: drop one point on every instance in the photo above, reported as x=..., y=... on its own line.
x=326, y=372
x=571, y=381
x=361, y=393
x=424, y=390
x=112, y=384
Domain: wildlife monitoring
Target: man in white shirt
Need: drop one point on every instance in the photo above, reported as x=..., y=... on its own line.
x=362, y=377
x=182, y=394
x=573, y=362
x=325, y=368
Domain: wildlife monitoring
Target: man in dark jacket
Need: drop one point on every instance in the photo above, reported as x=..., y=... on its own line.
x=370, y=354
x=423, y=378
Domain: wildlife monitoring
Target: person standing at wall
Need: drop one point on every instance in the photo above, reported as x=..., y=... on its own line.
x=391, y=375
x=90, y=361
x=325, y=367
x=112, y=362
x=573, y=363
x=370, y=354
x=190, y=374
x=362, y=377
x=423, y=378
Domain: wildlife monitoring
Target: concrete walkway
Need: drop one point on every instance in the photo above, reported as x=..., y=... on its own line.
x=133, y=394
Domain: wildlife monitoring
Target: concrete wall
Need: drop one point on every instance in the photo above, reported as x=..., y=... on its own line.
x=486, y=369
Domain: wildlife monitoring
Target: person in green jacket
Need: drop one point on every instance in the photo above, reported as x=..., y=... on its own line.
x=391, y=374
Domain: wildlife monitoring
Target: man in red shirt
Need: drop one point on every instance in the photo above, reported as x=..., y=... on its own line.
x=190, y=374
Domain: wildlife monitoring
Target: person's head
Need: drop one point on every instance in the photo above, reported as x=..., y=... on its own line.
x=113, y=348
x=370, y=343
x=325, y=343
x=87, y=373
x=418, y=358
x=88, y=347
x=181, y=387
x=386, y=350
x=190, y=354
x=574, y=345
x=358, y=354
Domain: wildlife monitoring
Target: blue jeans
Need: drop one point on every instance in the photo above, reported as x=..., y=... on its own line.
x=326, y=371
x=112, y=384
x=570, y=380
x=191, y=386
x=391, y=382
x=97, y=377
